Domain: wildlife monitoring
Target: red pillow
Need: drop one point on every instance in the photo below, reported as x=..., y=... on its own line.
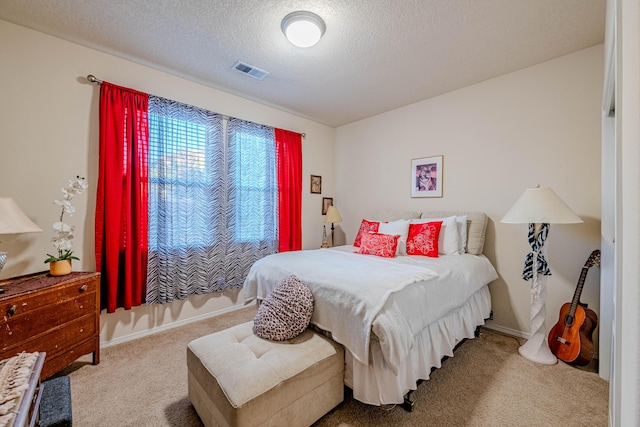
x=383, y=245
x=423, y=239
x=365, y=228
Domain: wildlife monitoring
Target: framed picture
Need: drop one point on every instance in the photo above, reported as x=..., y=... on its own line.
x=426, y=177
x=316, y=184
x=326, y=202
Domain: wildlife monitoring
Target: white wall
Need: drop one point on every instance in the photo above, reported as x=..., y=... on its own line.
x=49, y=123
x=625, y=385
x=540, y=125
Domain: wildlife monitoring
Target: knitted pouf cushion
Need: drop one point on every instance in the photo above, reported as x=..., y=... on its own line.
x=286, y=312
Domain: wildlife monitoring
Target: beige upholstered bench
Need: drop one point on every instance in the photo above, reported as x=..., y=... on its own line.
x=238, y=379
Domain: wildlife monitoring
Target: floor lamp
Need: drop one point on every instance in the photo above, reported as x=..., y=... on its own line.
x=333, y=216
x=539, y=207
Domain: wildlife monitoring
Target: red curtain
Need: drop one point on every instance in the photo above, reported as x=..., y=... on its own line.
x=289, y=163
x=122, y=206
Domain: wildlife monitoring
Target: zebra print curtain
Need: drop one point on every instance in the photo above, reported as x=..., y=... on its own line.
x=210, y=209
x=252, y=197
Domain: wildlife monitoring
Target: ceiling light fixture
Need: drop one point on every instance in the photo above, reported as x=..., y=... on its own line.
x=302, y=28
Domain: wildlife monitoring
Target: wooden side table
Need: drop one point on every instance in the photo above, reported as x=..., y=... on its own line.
x=57, y=315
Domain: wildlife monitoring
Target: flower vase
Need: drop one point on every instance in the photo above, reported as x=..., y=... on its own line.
x=60, y=268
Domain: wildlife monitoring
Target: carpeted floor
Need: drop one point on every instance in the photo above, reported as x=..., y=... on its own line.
x=486, y=383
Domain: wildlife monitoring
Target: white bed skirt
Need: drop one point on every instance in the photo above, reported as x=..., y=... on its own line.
x=375, y=384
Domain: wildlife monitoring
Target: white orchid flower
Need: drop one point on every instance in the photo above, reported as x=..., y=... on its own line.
x=67, y=194
x=63, y=237
x=63, y=227
x=67, y=207
x=62, y=244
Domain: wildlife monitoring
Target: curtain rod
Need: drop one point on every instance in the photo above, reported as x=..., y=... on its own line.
x=93, y=79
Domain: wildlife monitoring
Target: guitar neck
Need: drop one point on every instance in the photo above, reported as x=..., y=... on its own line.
x=578, y=292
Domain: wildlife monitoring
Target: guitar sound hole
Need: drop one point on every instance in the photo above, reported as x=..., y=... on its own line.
x=569, y=320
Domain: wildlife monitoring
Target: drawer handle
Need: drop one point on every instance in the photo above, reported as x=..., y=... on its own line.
x=83, y=288
x=12, y=310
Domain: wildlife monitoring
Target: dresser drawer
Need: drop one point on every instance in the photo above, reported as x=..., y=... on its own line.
x=55, y=340
x=67, y=357
x=21, y=327
x=32, y=301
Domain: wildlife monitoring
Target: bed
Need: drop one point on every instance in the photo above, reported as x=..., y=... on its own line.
x=397, y=317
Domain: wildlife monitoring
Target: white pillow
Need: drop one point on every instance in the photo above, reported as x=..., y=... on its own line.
x=399, y=227
x=448, y=242
x=461, y=221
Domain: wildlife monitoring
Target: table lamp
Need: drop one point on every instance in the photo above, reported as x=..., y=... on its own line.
x=13, y=221
x=539, y=207
x=333, y=216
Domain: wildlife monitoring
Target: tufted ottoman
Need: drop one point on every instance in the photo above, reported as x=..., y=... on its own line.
x=238, y=379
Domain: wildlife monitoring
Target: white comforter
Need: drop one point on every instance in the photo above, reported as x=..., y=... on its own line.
x=356, y=294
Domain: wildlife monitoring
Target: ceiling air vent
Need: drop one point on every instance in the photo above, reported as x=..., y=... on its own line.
x=250, y=70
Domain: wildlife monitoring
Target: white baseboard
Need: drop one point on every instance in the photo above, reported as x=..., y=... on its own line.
x=104, y=344
x=490, y=325
x=141, y=334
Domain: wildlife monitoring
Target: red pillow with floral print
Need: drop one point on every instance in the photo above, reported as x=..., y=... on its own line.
x=366, y=227
x=423, y=239
x=383, y=245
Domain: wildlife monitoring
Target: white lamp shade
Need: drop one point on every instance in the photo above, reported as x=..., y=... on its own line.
x=540, y=205
x=13, y=220
x=302, y=28
x=333, y=215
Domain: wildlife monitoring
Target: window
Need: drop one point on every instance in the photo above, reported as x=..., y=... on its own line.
x=180, y=176
x=253, y=178
x=212, y=200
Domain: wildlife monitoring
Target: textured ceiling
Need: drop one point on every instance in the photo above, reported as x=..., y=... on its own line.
x=376, y=55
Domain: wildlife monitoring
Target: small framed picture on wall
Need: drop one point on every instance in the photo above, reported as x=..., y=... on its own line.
x=316, y=184
x=426, y=177
x=326, y=202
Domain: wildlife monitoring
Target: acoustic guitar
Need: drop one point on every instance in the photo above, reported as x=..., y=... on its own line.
x=571, y=338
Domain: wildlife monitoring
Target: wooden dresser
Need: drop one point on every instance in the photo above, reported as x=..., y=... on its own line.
x=56, y=315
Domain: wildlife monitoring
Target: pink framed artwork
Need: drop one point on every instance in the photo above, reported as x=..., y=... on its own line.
x=426, y=177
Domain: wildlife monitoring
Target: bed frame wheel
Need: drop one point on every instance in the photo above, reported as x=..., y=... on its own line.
x=407, y=405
